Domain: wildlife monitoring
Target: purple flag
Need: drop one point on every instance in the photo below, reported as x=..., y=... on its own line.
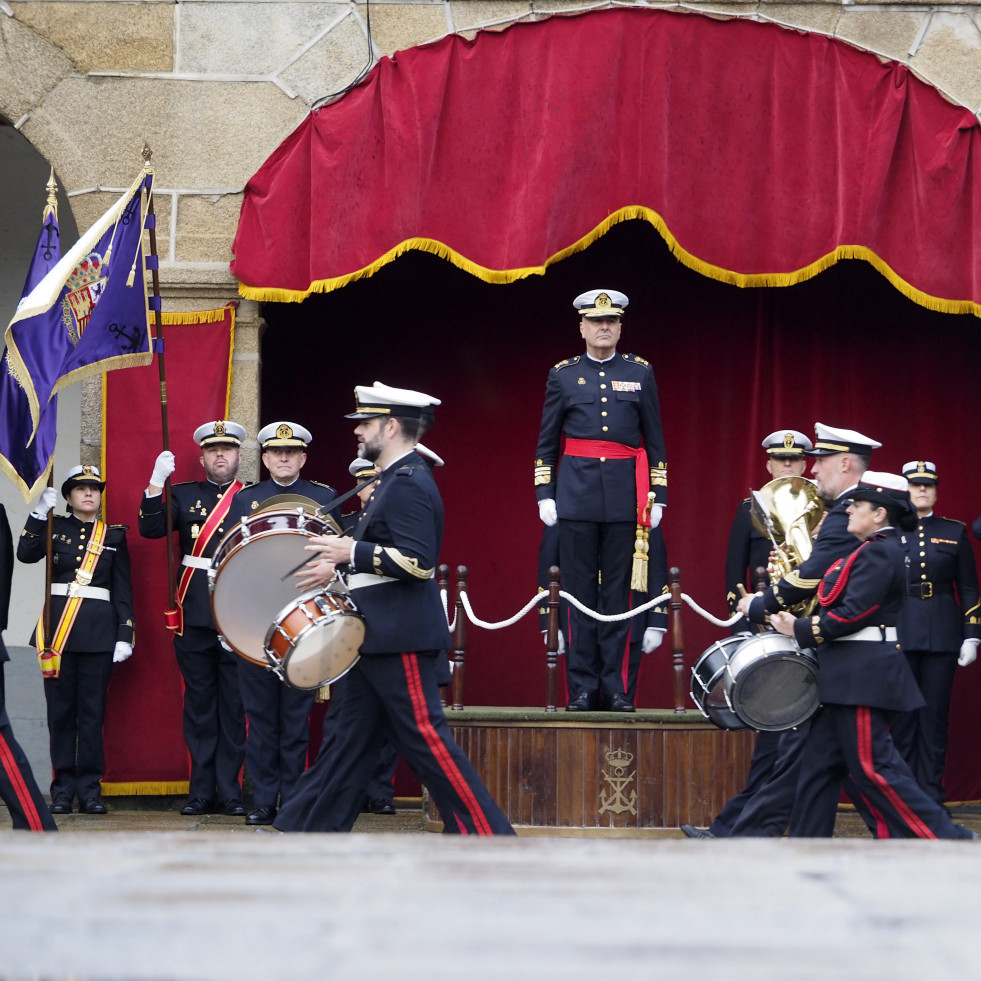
x=89, y=314
x=26, y=462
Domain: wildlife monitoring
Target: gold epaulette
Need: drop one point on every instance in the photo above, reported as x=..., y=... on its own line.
x=568, y=361
x=636, y=359
x=963, y=524
x=119, y=527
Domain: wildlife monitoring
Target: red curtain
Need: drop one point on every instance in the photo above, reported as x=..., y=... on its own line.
x=762, y=155
x=145, y=750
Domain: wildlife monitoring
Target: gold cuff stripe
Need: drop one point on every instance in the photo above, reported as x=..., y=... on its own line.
x=794, y=579
x=408, y=565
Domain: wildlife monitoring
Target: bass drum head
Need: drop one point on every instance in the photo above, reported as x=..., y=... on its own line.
x=708, y=682
x=324, y=652
x=771, y=685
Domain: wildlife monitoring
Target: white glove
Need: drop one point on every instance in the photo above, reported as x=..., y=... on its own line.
x=657, y=512
x=122, y=652
x=547, y=512
x=652, y=639
x=561, y=645
x=48, y=499
x=163, y=467
x=969, y=652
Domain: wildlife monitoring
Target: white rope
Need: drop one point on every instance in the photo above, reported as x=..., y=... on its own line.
x=446, y=612
x=605, y=618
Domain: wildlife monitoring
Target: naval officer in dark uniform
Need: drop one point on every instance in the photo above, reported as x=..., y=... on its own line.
x=278, y=715
x=214, y=721
x=938, y=627
x=840, y=457
x=91, y=627
x=393, y=690
x=611, y=477
x=18, y=788
x=864, y=678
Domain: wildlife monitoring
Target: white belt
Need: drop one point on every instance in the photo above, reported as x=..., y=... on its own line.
x=75, y=589
x=358, y=580
x=196, y=562
x=872, y=633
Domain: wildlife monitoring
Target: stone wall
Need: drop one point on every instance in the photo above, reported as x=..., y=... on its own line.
x=215, y=85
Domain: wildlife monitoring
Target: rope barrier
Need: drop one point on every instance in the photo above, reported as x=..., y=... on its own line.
x=603, y=617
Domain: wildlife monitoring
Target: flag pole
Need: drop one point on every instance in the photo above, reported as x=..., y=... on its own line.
x=154, y=264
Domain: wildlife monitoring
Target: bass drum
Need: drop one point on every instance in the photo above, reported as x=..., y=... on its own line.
x=248, y=588
x=315, y=640
x=708, y=682
x=771, y=684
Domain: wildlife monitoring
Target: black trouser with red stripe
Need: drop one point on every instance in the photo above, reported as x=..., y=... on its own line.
x=18, y=788
x=394, y=695
x=855, y=740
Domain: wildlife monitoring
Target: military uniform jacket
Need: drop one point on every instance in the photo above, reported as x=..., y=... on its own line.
x=747, y=549
x=247, y=501
x=398, y=534
x=863, y=589
x=99, y=624
x=614, y=401
x=190, y=505
x=940, y=561
x=832, y=542
x=6, y=578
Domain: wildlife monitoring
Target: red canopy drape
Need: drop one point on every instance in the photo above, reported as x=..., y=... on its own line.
x=762, y=156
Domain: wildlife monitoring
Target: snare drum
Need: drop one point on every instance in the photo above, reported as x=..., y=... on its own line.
x=248, y=590
x=771, y=684
x=708, y=682
x=315, y=640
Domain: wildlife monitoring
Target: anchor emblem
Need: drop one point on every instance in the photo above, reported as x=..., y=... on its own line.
x=619, y=780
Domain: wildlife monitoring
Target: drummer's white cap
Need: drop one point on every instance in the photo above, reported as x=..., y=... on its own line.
x=219, y=431
x=284, y=434
x=828, y=441
x=383, y=400
x=787, y=442
x=361, y=469
x=601, y=303
x=920, y=472
x=433, y=459
x=883, y=490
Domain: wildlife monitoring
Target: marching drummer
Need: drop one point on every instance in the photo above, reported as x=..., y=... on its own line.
x=214, y=722
x=864, y=678
x=278, y=715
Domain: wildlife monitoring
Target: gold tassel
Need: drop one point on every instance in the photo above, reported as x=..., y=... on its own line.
x=638, y=573
x=323, y=694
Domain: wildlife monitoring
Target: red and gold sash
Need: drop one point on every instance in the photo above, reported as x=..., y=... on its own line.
x=175, y=618
x=49, y=655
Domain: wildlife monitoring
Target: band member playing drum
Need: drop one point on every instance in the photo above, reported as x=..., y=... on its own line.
x=278, y=714
x=91, y=628
x=863, y=678
x=214, y=722
x=393, y=690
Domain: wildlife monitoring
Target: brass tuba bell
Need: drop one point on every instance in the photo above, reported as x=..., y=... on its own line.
x=787, y=510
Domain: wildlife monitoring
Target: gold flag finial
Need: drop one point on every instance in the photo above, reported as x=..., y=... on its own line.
x=51, y=208
x=146, y=153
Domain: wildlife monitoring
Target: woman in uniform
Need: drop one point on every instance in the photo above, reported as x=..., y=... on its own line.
x=91, y=626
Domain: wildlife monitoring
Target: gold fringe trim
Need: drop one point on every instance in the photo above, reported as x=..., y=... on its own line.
x=28, y=493
x=140, y=788
x=272, y=294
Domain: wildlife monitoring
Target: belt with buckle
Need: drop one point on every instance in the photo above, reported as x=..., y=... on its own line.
x=872, y=633
x=927, y=590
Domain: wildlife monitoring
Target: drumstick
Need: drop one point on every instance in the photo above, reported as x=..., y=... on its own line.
x=742, y=589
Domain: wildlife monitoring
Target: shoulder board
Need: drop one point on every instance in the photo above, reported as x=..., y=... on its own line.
x=568, y=361
x=636, y=359
x=119, y=527
x=954, y=521
x=746, y=500
x=319, y=484
x=406, y=471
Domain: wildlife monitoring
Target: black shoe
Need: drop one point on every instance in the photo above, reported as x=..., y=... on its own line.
x=233, y=808
x=262, y=815
x=197, y=806
x=61, y=805
x=692, y=832
x=93, y=806
x=381, y=806
x=585, y=701
x=618, y=702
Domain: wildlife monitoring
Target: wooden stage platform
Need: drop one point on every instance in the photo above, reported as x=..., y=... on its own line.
x=602, y=773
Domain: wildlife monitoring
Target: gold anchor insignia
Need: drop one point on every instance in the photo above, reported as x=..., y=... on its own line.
x=788, y=441
x=284, y=432
x=219, y=429
x=618, y=801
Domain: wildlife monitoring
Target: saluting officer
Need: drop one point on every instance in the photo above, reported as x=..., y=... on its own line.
x=91, y=627
x=214, y=721
x=938, y=627
x=278, y=730
x=612, y=476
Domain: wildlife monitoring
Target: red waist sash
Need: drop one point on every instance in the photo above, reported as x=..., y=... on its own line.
x=597, y=449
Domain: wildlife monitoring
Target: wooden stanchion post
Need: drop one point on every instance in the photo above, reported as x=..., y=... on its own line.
x=443, y=585
x=677, y=639
x=552, y=638
x=459, y=639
